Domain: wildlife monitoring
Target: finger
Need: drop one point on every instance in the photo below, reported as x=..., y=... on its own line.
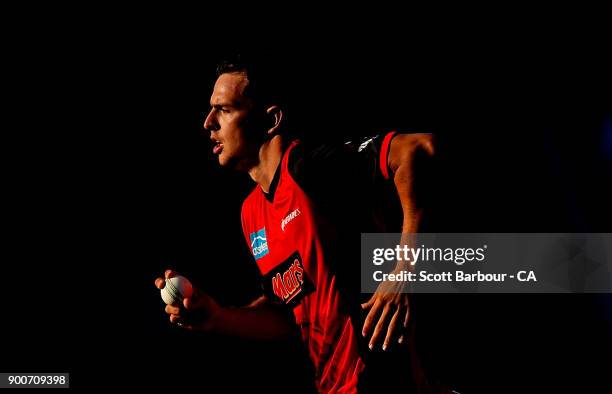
x=176, y=319
x=170, y=274
x=172, y=310
x=160, y=283
x=392, y=330
x=382, y=322
x=402, y=338
x=369, y=320
x=370, y=302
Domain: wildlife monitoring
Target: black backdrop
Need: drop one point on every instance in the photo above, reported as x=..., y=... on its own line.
x=111, y=181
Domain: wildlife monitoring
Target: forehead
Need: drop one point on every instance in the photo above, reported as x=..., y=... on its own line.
x=229, y=88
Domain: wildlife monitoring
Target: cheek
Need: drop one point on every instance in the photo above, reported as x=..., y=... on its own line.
x=234, y=132
x=236, y=135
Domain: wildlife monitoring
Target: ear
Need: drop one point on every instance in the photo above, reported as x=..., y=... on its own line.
x=275, y=114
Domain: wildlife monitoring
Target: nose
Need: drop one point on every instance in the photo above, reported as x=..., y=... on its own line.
x=210, y=123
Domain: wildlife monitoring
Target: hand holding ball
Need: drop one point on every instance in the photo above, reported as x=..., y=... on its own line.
x=176, y=289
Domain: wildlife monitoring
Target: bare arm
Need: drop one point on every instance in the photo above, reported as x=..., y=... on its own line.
x=389, y=307
x=258, y=320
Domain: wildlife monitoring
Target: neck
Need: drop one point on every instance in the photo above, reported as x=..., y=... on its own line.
x=270, y=155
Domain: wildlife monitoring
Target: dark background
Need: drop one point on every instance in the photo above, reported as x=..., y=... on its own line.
x=110, y=180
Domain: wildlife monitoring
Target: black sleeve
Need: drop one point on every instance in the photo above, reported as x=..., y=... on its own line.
x=343, y=175
x=323, y=170
x=338, y=158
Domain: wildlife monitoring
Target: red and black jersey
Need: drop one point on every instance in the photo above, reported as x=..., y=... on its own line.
x=302, y=236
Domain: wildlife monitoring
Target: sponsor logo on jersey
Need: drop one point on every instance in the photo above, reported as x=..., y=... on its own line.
x=259, y=243
x=287, y=283
x=295, y=213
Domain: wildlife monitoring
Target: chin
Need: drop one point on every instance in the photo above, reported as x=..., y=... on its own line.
x=224, y=161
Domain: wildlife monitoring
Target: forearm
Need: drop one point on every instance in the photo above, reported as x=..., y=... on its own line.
x=411, y=213
x=259, y=320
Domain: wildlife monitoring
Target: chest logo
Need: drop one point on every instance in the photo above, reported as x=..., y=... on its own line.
x=295, y=213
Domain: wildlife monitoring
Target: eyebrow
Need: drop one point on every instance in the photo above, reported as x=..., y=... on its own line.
x=219, y=105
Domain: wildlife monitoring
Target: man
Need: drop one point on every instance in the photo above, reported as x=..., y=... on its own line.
x=300, y=222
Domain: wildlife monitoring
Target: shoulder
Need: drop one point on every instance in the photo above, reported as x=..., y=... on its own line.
x=327, y=171
x=316, y=151
x=317, y=159
x=410, y=147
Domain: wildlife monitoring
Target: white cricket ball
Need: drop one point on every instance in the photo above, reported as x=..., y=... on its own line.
x=176, y=289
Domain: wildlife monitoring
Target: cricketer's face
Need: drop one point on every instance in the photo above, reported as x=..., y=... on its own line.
x=231, y=122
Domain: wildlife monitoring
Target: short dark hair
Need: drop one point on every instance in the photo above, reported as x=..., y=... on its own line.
x=268, y=82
